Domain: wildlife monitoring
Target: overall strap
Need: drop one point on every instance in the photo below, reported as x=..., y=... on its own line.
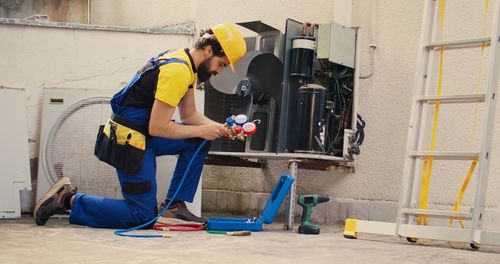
x=156, y=63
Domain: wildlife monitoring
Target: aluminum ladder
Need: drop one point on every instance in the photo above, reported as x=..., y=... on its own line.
x=408, y=211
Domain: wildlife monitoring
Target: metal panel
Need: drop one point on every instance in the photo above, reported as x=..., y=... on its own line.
x=337, y=43
x=324, y=37
x=342, y=45
x=280, y=156
x=259, y=27
x=14, y=156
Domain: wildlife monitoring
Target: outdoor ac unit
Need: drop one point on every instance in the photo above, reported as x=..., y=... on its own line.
x=70, y=120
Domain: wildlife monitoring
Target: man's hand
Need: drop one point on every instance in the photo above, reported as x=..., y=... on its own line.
x=213, y=131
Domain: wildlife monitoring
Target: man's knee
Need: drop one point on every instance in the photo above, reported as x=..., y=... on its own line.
x=143, y=211
x=141, y=200
x=146, y=214
x=142, y=215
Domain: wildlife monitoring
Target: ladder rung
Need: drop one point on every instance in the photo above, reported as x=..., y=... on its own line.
x=458, y=43
x=436, y=213
x=446, y=155
x=450, y=99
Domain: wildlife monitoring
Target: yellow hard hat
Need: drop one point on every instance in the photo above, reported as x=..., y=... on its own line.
x=232, y=42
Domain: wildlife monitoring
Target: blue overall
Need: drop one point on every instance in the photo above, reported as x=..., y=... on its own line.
x=140, y=205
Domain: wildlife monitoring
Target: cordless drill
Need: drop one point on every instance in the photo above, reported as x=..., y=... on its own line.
x=308, y=201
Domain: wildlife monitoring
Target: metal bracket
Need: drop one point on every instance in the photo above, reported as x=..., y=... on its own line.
x=293, y=165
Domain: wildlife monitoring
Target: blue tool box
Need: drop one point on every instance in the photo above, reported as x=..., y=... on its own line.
x=267, y=216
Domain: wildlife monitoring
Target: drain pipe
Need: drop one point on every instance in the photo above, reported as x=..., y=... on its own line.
x=89, y=8
x=371, y=40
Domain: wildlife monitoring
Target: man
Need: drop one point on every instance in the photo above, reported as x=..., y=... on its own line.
x=143, y=109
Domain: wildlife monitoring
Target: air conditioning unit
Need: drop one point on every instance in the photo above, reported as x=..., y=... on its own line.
x=70, y=120
x=14, y=155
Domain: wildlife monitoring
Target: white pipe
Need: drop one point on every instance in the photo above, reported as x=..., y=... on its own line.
x=89, y=8
x=371, y=39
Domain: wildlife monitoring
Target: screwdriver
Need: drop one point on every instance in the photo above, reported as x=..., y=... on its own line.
x=227, y=233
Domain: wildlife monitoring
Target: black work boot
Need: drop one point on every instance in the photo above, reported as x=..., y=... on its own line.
x=178, y=213
x=52, y=202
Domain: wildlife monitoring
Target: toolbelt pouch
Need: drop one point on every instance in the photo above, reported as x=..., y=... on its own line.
x=120, y=146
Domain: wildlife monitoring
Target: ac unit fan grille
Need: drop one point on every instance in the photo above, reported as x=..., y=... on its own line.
x=69, y=149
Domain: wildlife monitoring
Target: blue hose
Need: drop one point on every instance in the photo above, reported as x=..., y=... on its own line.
x=122, y=232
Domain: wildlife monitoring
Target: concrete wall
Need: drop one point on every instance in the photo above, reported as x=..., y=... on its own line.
x=207, y=13
x=37, y=57
x=73, y=11
x=158, y=13
x=393, y=26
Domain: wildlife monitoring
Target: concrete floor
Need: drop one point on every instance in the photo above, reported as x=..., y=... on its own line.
x=59, y=242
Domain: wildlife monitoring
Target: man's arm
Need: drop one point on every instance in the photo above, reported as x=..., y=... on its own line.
x=161, y=126
x=189, y=114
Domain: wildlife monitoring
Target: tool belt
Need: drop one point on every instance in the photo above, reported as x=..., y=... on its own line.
x=121, y=144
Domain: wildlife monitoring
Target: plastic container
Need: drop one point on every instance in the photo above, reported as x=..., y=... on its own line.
x=267, y=216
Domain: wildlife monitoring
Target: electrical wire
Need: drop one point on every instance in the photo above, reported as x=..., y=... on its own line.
x=341, y=101
x=122, y=232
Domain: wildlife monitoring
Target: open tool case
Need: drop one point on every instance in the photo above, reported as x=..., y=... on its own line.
x=267, y=216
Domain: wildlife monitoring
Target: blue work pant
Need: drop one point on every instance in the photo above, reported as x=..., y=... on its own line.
x=139, y=190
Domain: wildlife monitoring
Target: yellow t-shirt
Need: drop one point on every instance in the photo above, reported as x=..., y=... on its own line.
x=174, y=79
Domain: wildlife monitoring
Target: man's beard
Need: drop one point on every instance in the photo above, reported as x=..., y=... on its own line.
x=203, y=70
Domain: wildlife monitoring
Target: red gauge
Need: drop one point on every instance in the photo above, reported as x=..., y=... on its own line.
x=249, y=128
